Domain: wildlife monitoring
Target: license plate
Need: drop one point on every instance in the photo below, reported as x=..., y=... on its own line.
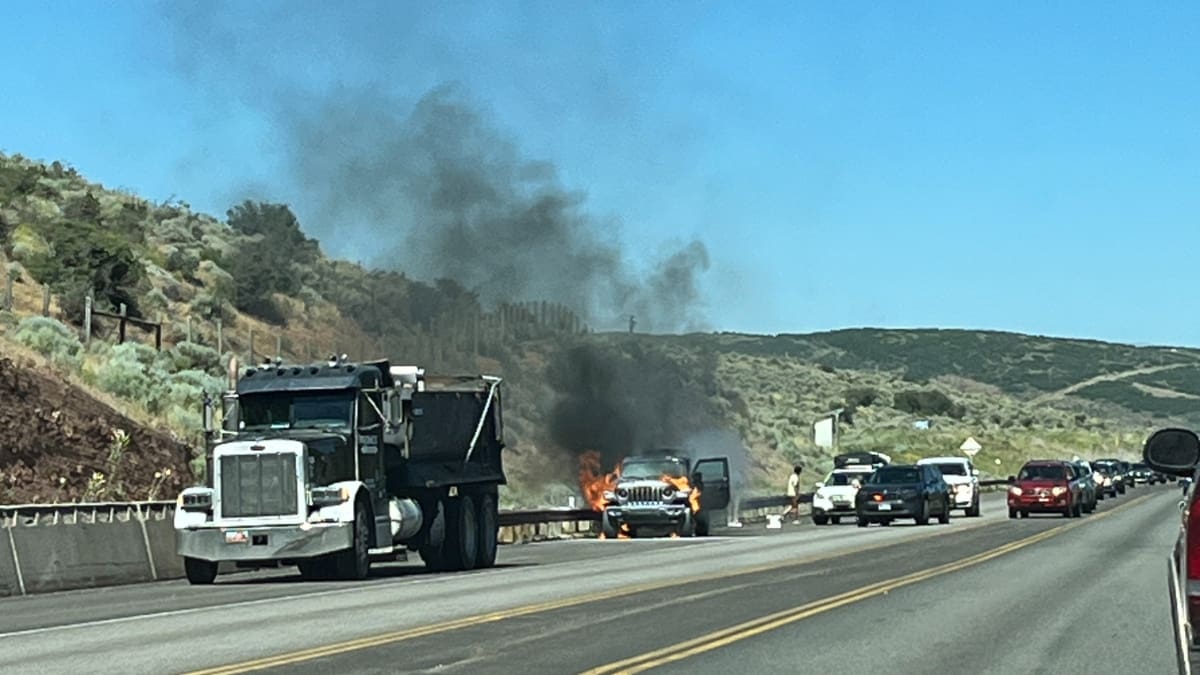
x=236, y=537
x=885, y=507
x=841, y=501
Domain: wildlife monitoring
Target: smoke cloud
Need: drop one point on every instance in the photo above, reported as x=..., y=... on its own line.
x=426, y=183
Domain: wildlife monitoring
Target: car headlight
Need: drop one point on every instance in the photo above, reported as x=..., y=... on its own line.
x=622, y=493
x=196, y=499
x=1014, y=491
x=668, y=493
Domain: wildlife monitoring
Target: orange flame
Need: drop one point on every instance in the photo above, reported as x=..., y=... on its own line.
x=681, y=484
x=593, y=481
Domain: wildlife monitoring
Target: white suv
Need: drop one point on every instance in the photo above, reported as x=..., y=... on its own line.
x=834, y=497
x=963, y=478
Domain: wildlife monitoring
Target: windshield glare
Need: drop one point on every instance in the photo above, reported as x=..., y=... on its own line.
x=277, y=411
x=648, y=469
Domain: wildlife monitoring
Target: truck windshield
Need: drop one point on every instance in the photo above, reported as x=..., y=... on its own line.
x=296, y=410
x=648, y=469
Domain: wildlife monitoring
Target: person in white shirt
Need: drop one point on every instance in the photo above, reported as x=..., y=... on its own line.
x=793, y=493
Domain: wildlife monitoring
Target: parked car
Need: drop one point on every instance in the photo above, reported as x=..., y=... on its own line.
x=1045, y=486
x=963, y=478
x=1104, y=480
x=1088, y=490
x=1127, y=473
x=1177, y=452
x=904, y=491
x=835, y=496
x=1120, y=481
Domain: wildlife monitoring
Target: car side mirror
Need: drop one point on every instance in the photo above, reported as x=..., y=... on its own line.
x=1173, y=451
x=975, y=472
x=1012, y=479
x=820, y=485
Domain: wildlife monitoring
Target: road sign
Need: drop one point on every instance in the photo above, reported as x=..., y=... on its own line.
x=970, y=447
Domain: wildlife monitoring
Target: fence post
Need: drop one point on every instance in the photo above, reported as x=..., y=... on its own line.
x=45, y=301
x=87, y=320
x=252, y=358
x=189, y=330
x=121, y=330
x=278, y=346
x=158, y=333
x=8, y=290
x=220, y=338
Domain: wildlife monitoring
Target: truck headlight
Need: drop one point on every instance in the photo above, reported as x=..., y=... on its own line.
x=329, y=496
x=668, y=493
x=196, y=499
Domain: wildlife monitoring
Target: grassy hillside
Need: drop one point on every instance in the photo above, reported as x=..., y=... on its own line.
x=753, y=397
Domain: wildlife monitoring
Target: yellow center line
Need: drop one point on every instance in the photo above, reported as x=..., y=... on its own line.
x=763, y=624
x=335, y=649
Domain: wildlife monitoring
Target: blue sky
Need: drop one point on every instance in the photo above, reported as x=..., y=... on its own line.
x=1016, y=166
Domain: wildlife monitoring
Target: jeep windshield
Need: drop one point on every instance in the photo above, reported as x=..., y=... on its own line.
x=644, y=469
x=296, y=410
x=843, y=478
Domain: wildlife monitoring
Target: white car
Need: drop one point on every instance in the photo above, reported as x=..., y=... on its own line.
x=835, y=495
x=963, y=478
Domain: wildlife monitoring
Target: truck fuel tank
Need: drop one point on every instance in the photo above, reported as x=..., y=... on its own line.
x=406, y=518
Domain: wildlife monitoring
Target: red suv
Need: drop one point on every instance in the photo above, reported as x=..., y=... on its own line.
x=1045, y=486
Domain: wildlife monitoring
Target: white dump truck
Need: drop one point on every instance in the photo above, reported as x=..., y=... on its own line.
x=334, y=465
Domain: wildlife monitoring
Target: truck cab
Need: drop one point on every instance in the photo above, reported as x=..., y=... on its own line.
x=331, y=466
x=665, y=492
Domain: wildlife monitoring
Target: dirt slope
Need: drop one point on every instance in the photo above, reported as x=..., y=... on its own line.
x=53, y=437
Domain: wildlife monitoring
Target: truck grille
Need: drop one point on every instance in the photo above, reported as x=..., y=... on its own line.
x=646, y=494
x=258, y=485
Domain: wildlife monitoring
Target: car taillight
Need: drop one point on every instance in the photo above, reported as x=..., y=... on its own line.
x=877, y=497
x=1193, y=542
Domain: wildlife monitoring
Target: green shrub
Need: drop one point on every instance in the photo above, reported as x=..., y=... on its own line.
x=51, y=339
x=192, y=356
x=927, y=402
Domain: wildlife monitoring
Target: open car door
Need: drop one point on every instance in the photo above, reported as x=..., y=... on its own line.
x=712, y=475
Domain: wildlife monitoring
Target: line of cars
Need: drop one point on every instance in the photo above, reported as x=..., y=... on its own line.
x=1073, y=487
x=868, y=488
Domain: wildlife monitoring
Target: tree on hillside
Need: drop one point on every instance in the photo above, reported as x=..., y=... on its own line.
x=273, y=260
x=83, y=257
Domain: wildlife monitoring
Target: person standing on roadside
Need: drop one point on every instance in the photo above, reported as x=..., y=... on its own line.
x=793, y=493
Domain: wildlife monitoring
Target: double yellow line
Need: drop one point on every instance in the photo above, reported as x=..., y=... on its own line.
x=763, y=624
x=526, y=610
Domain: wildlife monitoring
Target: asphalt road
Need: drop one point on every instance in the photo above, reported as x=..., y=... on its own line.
x=977, y=595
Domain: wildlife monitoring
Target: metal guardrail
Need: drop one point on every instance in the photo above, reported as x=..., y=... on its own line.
x=100, y=512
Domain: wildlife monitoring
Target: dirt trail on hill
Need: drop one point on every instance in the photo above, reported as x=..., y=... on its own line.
x=1108, y=377
x=53, y=437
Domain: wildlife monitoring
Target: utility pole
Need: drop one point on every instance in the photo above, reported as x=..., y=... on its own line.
x=632, y=322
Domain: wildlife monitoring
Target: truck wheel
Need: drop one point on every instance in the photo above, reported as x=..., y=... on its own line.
x=355, y=562
x=973, y=511
x=820, y=519
x=944, y=516
x=703, y=524
x=200, y=572
x=462, y=533
x=923, y=518
x=488, y=520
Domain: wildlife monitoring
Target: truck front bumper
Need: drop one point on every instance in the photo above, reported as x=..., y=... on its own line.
x=262, y=543
x=667, y=514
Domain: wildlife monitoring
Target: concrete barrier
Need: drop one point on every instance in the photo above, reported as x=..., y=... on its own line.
x=160, y=537
x=64, y=557
x=10, y=583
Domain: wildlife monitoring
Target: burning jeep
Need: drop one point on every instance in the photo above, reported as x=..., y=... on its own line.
x=661, y=493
